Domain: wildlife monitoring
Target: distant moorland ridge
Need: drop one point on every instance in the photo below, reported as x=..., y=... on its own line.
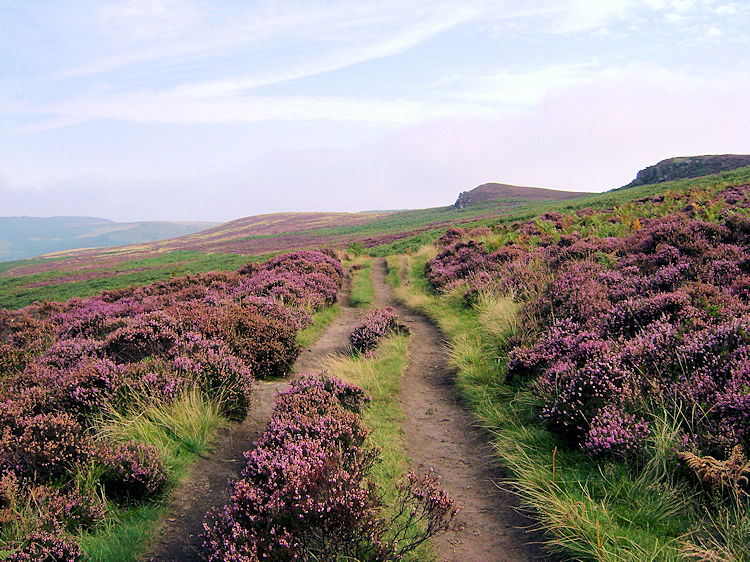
x=26, y=237
x=493, y=191
x=682, y=167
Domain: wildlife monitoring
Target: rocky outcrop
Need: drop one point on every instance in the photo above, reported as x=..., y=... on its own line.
x=689, y=167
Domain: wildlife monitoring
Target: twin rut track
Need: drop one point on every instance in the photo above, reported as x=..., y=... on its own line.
x=440, y=434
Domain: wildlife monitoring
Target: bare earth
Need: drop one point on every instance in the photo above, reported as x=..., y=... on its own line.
x=440, y=435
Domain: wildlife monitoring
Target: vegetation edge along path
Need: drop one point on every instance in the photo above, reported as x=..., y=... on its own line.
x=442, y=435
x=178, y=536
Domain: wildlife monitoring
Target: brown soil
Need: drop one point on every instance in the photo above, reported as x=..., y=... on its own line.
x=178, y=534
x=442, y=435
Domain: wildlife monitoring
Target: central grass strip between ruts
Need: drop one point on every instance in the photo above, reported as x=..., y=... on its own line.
x=380, y=376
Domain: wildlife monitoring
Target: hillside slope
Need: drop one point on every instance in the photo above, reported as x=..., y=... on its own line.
x=689, y=167
x=502, y=191
x=25, y=237
x=227, y=246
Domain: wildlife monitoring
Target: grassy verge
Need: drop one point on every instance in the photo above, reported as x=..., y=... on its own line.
x=380, y=376
x=594, y=510
x=362, y=291
x=182, y=430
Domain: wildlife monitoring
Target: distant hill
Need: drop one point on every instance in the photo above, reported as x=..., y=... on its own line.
x=496, y=191
x=25, y=237
x=689, y=167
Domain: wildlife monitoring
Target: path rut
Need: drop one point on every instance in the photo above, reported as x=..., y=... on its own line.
x=442, y=435
x=178, y=535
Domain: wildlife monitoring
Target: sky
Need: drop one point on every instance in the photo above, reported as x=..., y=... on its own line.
x=215, y=110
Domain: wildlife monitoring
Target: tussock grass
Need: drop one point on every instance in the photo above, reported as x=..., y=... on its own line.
x=182, y=430
x=591, y=510
x=320, y=321
x=380, y=376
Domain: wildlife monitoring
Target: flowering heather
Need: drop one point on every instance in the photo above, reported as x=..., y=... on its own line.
x=160, y=379
x=375, y=326
x=305, y=278
x=654, y=318
x=132, y=471
x=48, y=547
x=615, y=432
x=151, y=334
x=62, y=363
x=218, y=373
x=43, y=447
x=457, y=262
x=303, y=489
x=304, y=493
x=64, y=354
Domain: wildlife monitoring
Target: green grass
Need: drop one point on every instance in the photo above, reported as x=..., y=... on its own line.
x=182, y=431
x=320, y=321
x=362, y=292
x=594, y=510
x=380, y=376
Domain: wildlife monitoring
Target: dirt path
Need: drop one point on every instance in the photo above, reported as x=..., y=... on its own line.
x=206, y=485
x=442, y=435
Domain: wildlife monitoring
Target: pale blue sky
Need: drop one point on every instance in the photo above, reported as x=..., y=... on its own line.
x=190, y=109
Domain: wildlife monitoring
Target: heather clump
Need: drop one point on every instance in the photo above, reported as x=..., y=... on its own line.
x=220, y=374
x=374, y=327
x=131, y=472
x=305, y=492
x=457, y=262
x=48, y=547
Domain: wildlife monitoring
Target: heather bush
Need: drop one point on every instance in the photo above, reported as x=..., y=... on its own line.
x=131, y=472
x=266, y=343
x=66, y=353
x=457, y=262
x=375, y=326
x=151, y=334
x=218, y=373
x=304, y=493
x=159, y=379
x=615, y=432
x=43, y=447
x=84, y=388
x=48, y=547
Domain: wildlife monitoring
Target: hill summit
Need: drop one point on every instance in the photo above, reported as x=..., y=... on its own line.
x=689, y=167
x=495, y=191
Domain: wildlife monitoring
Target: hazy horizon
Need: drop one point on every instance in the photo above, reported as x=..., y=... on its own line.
x=185, y=110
